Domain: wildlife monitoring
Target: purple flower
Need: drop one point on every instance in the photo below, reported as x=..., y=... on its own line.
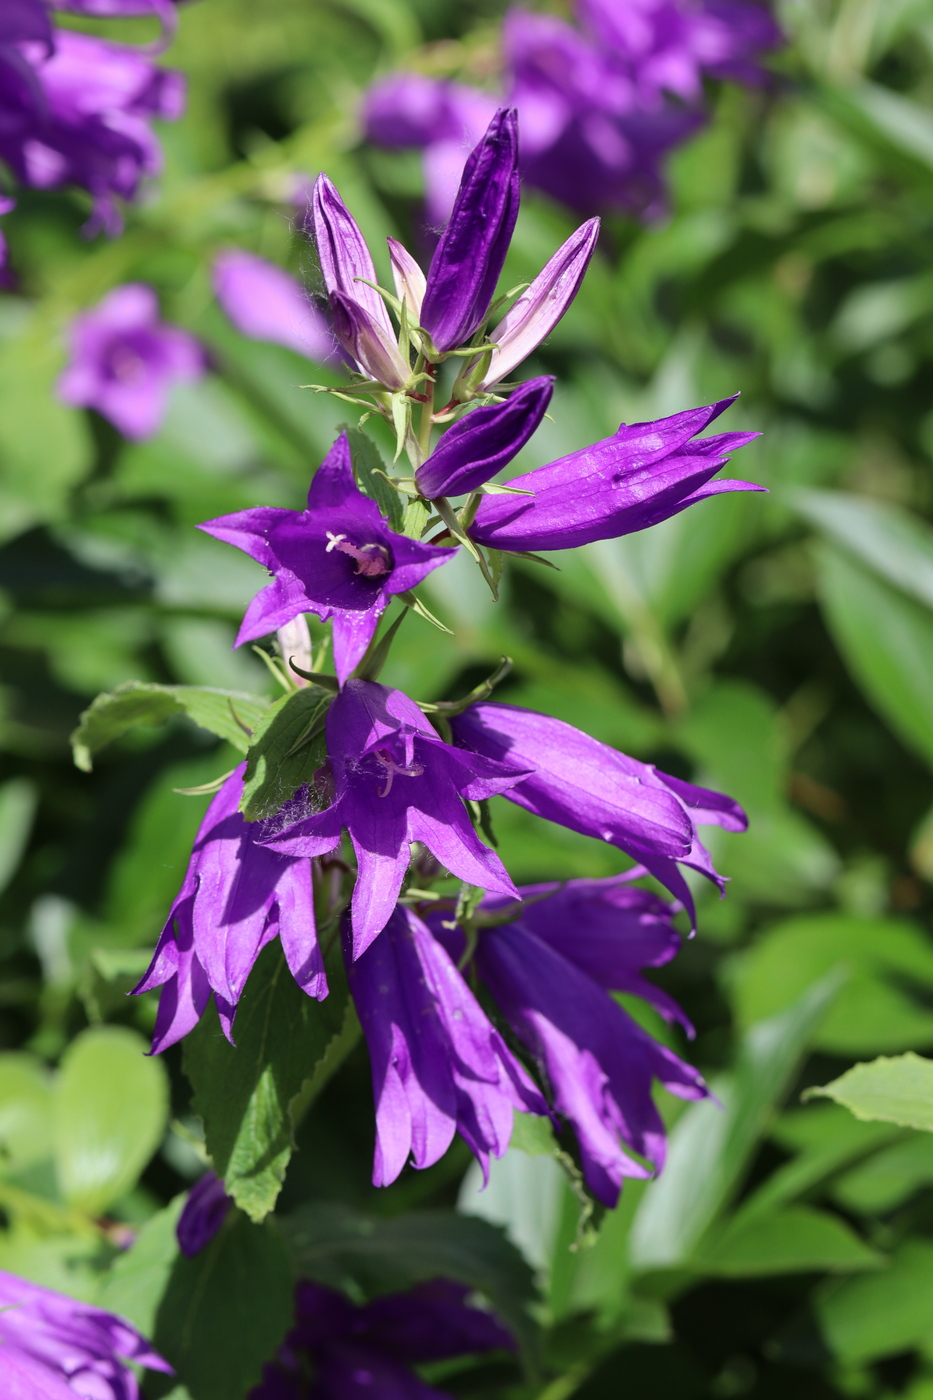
x=596, y=790
x=203, y=1214
x=55, y=1348
x=484, y=441
x=76, y=110
x=265, y=303
x=438, y=1065
x=236, y=897
x=124, y=361
x=338, y=558
x=469, y=258
x=396, y=782
x=354, y=1352
x=642, y=475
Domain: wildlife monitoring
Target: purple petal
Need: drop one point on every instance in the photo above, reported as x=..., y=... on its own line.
x=482, y=443
x=265, y=303
x=346, y=262
x=203, y=1214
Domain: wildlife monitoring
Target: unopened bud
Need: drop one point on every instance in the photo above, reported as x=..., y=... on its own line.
x=374, y=350
x=295, y=645
x=408, y=278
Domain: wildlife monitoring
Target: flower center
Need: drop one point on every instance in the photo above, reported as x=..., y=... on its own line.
x=126, y=364
x=391, y=766
x=372, y=560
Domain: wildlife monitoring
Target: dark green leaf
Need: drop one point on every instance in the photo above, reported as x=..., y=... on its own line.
x=795, y=1240
x=286, y=750
x=883, y=1313
x=367, y=466
x=247, y=1095
x=223, y=712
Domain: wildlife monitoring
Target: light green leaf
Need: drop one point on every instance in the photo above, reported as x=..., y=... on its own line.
x=26, y=1099
x=247, y=1095
x=273, y=771
x=18, y=799
x=883, y=1313
x=896, y=1090
x=138, y=1278
x=888, y=1178
x=894, y=544
x=795, y=1240
x=223, y=712
x=111, y=1106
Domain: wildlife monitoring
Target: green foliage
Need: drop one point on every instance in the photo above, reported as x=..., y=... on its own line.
x=228, y=714
x=898, y=1090
x=286, y=749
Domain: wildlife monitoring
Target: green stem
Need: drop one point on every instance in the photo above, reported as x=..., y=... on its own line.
x=427, y=413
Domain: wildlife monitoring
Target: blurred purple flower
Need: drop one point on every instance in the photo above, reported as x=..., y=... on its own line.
x=354, y=1351
x=642, y=475
x=589, y=787
x=395, y=782
x=338, y=558
x=265, y=303
x=236, y=897
x=438, y=1065
x=483, y=442
x=55, y=1348
x=75, y=109
x=6, y=206
x=124, y=361
x=202, y=1215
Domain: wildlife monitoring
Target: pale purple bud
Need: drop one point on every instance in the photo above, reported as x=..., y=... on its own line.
x=265, y=303
x=538, y=310
x=408, y=278
x=295, y=645
x=373, y=348
x=343, y=254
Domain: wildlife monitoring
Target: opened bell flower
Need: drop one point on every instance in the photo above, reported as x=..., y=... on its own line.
x=338, y=558
x=479, y=445
x=643, y=474
x=53, y=1347
x=589, y=787
x=395, y=782
x=124, y=361
x=265, y=303
x=438, y=1064
x=237, y=895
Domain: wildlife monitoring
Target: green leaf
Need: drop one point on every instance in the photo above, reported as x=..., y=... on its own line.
x=224, y=1313
x=886, y=640
x=896, y=1090
x=223, y=712
x=893, y=543
x=888, y=1178
x=796, y=1240
x=111, y=1106
x=248, y=1096
x=337, y=1246
x=273, y=771
x=26, y=1100
x=368, y=468
x=883, y=1313
x=18, y=799
x=138, y=1278
x=871, y=1012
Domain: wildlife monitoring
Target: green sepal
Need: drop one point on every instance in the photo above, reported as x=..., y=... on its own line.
x=230, y=714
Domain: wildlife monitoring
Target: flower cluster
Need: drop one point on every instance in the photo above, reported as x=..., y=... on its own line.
x=501, y=1000
x=77, y=110
x=601, y=104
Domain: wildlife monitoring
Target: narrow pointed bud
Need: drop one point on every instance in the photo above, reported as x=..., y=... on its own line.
x=538, y=310
x=469, y=257
x=343, y=253
x=295, y=645
x=373, y=349
x=408, y=278
x=479, y=445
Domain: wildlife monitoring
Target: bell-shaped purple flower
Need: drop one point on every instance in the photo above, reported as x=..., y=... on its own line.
x=479, y=445
x=355, y=1351
x=438, y=1064
x=237, y=895
x=265, y=303
x=338, y=558
x=642, y=475
x=589, y=787
x=203, y=1214
x=470, y=255
x=396, y=782
x=56, y=1348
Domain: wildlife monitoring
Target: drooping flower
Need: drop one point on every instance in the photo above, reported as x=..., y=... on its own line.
x=56, y=1348
x=124, y=360
x=202, y=1215
x=550, y=970
x=354, y=1351
x=438, y=1065
x=396, y=782
x=75, y=109
x=642, y=475
x=589, y=787
x=265, y=303
x=338, y=558
x=237, y=895
x=484, y=441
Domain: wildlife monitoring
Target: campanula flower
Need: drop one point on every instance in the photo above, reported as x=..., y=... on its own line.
x=237, y=895
x=338, y=558
x=353, y=1351
x=438, y=1064
x=643, y=474
x=395, y=782
x=589, y=787
x=479, y=445
x=56, y=1348
x=203, y=1213
x=124, y=360
x=265, y=303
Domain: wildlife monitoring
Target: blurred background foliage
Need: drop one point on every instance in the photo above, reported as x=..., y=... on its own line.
x=778, y=647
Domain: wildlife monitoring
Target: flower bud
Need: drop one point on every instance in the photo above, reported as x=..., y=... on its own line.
x=343, y=254
x=479, y=445
x=295, y=645
x=408, y=278
x=374, y=350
